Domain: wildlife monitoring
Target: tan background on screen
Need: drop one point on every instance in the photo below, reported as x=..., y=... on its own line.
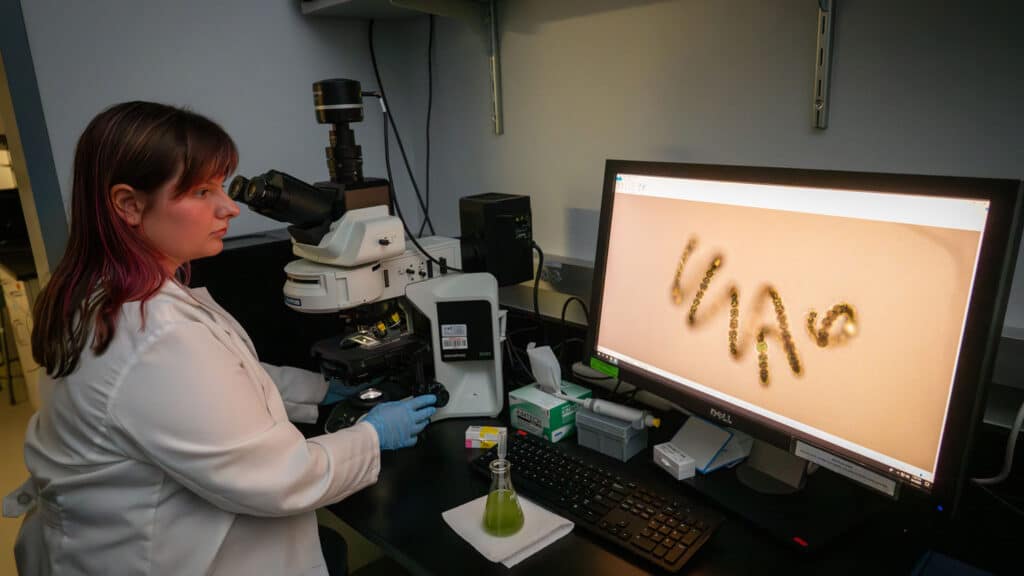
x=886, y=389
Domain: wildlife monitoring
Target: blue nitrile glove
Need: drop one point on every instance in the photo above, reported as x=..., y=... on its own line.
x=337, y=391
x=398, y=423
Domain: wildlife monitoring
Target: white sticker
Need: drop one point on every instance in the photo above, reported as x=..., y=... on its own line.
x=455, y=343
x=454, y=330
x=846, y=468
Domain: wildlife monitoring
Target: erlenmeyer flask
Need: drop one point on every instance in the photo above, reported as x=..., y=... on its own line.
x=502, y=516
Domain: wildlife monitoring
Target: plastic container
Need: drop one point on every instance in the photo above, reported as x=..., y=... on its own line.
x=607, y=435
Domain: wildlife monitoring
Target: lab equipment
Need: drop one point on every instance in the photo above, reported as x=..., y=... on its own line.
x=794, y=311
x=502, y=514
x=497, y=236
x=408, y=322
x=351, y=248
x=608, y=435
x=664, y=529
x=398, y=423
x=636, y=417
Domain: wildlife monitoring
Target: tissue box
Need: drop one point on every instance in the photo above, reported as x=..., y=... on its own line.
x=482, y=436
x=544, y=415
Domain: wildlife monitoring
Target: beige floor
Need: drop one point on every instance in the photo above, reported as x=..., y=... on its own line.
x=13, y=420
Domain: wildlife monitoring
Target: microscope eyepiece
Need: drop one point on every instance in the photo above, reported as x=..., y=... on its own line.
x=236, y=191
x=284, y=198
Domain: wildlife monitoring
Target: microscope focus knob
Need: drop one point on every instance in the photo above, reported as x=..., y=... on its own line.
x=438, y=389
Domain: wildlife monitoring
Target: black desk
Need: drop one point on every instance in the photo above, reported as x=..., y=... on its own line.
x=402, y=515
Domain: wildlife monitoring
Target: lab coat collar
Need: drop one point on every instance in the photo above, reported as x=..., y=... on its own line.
x=200, y=298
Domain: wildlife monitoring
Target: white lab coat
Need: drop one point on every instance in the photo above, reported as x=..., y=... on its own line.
x=172, y=453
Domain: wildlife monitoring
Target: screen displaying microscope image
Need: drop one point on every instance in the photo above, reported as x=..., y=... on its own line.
x=838, y=313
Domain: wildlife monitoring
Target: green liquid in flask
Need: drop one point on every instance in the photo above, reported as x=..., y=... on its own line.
x=502, y=515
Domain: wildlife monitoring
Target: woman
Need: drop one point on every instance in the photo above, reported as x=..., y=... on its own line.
x=163, y=446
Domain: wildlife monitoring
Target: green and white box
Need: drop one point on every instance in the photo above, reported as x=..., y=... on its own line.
x=542, y=414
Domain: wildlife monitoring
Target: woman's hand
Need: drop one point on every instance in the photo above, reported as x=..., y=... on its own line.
x=398, y=423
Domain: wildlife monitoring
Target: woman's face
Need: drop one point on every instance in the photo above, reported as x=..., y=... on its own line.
x=190, y=226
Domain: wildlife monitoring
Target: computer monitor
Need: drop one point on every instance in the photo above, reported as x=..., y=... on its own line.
x=851, y=316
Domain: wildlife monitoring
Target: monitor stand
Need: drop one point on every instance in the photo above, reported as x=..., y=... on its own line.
x=769, y=470
x=774, y=492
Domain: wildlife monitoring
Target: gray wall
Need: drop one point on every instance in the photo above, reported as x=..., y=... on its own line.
x=918, y=86
x=248, y=64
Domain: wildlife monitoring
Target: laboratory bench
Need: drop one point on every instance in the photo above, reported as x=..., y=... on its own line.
x=401, y=514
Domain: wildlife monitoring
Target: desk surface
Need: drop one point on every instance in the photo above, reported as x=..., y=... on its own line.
x=402, y=515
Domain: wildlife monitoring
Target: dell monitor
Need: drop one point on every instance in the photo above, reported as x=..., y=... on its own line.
x=848, y=318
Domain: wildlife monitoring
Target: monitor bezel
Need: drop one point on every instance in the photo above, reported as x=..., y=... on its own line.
x=982, y=329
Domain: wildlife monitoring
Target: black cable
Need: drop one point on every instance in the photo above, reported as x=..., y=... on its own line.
x=1004, y=502
x=536, y=287
x=583, y=306
x=389, y=118
x=561, y=347
x=430, y=104
x=514, y=357
x=398, y=210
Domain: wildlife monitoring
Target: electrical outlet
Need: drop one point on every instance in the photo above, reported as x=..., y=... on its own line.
x=550, y=274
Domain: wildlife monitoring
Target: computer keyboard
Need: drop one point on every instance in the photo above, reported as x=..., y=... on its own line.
x=665, y=530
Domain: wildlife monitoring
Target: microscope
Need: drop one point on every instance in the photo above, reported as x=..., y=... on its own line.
x=412, y=322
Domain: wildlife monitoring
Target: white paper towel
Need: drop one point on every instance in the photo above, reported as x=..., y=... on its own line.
x=545, y=368
x=540, y=528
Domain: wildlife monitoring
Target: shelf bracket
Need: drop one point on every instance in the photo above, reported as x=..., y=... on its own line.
x=823, y=63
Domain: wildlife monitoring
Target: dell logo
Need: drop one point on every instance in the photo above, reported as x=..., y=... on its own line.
x=723, y=416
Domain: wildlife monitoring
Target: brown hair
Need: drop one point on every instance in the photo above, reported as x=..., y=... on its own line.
x=107, y=262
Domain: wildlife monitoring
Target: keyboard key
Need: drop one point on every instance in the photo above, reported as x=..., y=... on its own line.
x=660, y=551
x=691, y=537
x=625, y=535
x=657, y=537
x=675, y=553
x=643, y=543
x=665, y=530
x=676, y=535
x=668, y=542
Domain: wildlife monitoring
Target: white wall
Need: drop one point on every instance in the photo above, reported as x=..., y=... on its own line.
x=918, y=87
x=247, y=64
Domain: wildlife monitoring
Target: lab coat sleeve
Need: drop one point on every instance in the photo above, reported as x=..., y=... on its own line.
x=189, y=406
x=300, y=389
